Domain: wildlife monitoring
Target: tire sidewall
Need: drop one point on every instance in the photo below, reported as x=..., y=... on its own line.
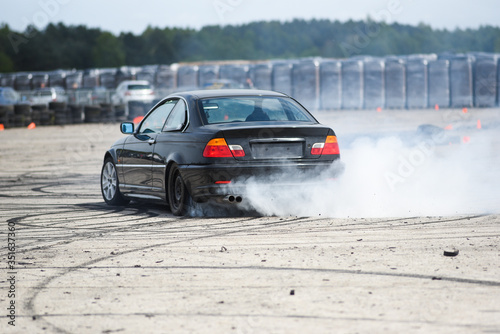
x=118, y=198
x=181, y=208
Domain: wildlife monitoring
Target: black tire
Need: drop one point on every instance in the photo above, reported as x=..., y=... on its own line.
x=136, y=109
x=110, y=185
x=107, y=113
x=57, y=105
x=5, y=111
x=92, y=114
x=39, y=107
x=60, y=117
x=35, y=116
x=22, y=109
x=178, y=195
x=76, y=112
x=46, y=117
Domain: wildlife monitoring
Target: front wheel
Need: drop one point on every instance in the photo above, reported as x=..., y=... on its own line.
x=178, y=196
x=110, y=186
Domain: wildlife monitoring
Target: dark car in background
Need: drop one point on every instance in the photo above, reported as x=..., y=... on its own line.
x=204, y=145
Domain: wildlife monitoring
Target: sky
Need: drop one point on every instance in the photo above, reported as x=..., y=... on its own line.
x=135, y=16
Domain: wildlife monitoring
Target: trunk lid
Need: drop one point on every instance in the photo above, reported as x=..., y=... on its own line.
x=276, y=141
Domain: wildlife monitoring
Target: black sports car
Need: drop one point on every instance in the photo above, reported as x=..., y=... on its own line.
x=203, y=145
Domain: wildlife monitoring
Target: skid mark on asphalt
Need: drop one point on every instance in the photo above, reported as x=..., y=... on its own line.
x=58, y=224
x=251, y=225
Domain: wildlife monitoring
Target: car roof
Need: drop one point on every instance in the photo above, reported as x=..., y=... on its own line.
x=208, y=93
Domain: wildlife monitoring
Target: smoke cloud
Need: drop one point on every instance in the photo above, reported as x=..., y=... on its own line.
x=395, y=166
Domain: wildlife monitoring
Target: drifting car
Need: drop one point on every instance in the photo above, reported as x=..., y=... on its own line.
x=202, y=146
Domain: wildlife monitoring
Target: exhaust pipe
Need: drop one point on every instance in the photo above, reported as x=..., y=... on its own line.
x=233, y=199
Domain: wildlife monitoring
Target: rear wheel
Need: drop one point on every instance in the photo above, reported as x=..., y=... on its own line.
x=110, y=186
x=178, y=196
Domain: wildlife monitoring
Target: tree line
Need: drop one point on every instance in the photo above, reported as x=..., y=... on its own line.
x=59, y=46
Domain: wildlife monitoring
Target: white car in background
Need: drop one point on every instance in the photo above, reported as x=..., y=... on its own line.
x=47, y=95
x=139, y=91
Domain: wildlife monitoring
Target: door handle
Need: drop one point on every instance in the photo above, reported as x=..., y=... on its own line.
x=151, y=141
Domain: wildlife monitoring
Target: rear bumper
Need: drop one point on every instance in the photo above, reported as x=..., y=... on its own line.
x=211, y=181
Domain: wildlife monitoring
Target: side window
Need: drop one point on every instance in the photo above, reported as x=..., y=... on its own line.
x=153, y=123
x=177, y=118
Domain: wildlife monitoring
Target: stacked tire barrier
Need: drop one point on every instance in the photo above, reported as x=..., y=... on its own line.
x=261, y=76
x=361, y=82
x=330, y=84
x=306, y=88
x=61, y=114
x=233, y=73
x=439, y=83
x=58, y=113
x=77, y=114
x=6, y=113
x=107, y=113
x=137, y=109
x=395, y=84
x=282, y=77
x=417, y=83
x=374, y=83
x=39, y=112
x=352, y=84
x=22, y=115
x=461, y=82
x=92, y=114
x=486, y=81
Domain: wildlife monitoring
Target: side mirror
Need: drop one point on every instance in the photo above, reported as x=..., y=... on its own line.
x=127, y=128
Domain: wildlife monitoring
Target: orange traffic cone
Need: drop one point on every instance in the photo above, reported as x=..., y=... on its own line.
x=464, y=110
x=436, y=107
x=448, y=127
x=31, y=126
x=138, y=119
x=2, y=127
x=379, y=109
x=479, y=124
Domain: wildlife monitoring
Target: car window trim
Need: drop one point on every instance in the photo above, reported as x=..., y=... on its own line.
x=155, y=108
x=185, y=118
x=186, y=111
x=281, y=99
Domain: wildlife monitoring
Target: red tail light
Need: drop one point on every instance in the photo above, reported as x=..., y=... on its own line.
x=127, y=93
x=329, y=147
x=218, y=148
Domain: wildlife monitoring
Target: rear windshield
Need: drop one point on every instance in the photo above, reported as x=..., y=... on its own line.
x=138, y=87
x=252, y=109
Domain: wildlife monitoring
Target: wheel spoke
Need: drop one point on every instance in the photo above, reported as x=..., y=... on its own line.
x=109, y=181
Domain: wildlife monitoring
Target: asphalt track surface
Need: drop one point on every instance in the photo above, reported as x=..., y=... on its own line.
x=84, y=267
